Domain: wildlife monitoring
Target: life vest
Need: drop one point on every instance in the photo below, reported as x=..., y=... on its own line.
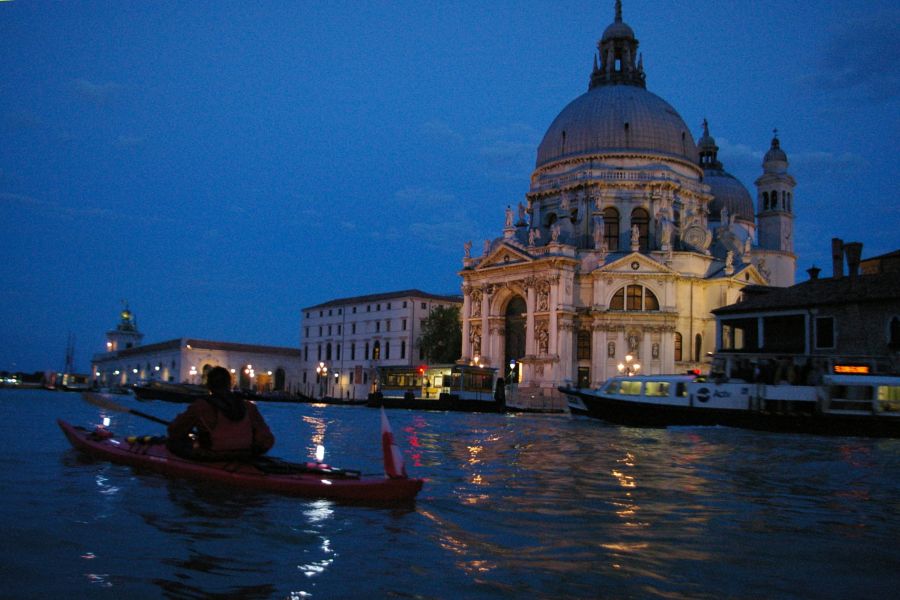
x=231, y=435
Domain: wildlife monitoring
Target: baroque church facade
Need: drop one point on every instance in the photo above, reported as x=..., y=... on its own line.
x=630, y=236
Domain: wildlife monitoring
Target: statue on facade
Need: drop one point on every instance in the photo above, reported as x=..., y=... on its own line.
x=476, y=342
x=533, y=236
x=748, y=246
x=476, y=303
x=633, y=342
x=468, y=248
x=554, y=232
x=599, y=226
x=521, y=214
x=487, y=247
x=635, y=238
x=509, y=217
x=543, y=340
x=665, y=230
x=729, y=262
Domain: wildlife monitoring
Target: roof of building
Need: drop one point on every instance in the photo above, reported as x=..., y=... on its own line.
x=386, y=296
x=817, y=292
x=195, y=344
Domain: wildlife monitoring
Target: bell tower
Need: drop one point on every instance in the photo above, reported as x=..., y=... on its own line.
x=126, y=334
x=775, y=214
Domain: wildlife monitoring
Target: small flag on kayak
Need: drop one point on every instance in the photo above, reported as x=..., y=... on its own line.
x=393, y=460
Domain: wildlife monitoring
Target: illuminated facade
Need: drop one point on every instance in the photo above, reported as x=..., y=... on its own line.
x=185, y=360
x=630, y=236
x=346, y=339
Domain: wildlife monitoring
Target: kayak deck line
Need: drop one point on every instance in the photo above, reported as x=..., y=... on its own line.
x=312, y=480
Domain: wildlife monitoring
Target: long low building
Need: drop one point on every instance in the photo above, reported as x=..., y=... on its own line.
x=187, y=360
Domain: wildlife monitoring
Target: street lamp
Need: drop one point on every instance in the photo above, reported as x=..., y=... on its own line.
x=628, y=368
x=321, y=371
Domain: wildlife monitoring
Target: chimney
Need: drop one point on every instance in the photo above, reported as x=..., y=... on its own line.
x=813, y=272
x=854, y=252
x=837, y=257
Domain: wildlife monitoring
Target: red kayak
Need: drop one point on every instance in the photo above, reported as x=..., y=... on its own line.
x=312, y=480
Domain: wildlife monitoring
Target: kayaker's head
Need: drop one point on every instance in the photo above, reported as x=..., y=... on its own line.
x=218, y=380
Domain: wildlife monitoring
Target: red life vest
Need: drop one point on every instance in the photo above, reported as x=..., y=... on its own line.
x=231, y=435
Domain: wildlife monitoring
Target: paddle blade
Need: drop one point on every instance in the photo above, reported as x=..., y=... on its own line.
x=393, y=459
x=103, y=401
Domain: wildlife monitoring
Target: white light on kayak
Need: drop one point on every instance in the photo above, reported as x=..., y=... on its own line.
x=106, y=421
x=320, y=452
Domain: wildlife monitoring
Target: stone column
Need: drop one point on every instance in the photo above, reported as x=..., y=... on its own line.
x=646, y=351
x=487, y=336
x=554, y=319
x=531, y=304
x=466, y=329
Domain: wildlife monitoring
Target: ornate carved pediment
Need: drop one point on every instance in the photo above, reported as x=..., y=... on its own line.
x=504, y=254
x=634, y=264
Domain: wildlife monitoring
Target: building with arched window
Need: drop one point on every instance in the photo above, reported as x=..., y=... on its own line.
x=630, y=235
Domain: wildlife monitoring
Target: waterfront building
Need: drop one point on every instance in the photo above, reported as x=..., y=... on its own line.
x=345, y=340
x=187, y=360
x=631, y=234
x=845, y=324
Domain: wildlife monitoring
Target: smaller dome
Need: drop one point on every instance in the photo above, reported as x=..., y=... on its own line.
x=775, y=153
x=706, y=141
x=617, y=30
x=728, y=193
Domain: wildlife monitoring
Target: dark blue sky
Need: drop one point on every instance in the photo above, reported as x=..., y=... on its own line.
x=221, y=165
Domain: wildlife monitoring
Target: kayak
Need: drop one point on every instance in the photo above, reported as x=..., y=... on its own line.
x=312, y=479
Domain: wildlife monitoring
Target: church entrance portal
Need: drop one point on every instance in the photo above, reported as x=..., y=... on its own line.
x=514, y=347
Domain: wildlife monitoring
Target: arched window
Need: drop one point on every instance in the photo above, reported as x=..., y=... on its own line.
x=328, y=351
x=402, y=349
x=634, y=298
x=376, y=350
x=698, y=347
x=550, y=219
x=641, y=218
x=366, y=355
x=765, y=200
x=611, y=228
x=583, y=351
x=677, y=347
x=387, y=351
x=337, y=352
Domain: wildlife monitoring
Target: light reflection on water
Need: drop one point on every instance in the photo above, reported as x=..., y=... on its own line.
x=541, y=507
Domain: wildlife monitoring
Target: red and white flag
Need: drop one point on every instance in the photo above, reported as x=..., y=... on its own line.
x=393, y=460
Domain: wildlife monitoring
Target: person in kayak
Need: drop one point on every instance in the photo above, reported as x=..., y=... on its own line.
x=219, y=426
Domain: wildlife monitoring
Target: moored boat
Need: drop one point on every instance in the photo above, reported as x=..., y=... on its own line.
x=863, y=405
x=170, y=392
x=311, y=479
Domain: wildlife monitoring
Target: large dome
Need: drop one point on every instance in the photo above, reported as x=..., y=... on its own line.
x=617, y=118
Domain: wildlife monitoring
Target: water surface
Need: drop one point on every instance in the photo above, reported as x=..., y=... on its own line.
x=515, y=506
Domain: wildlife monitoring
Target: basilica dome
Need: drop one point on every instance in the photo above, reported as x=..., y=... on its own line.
x=617, y=119
x=727, y=191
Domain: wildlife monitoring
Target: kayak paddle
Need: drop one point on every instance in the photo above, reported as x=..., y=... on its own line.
x=103, y=401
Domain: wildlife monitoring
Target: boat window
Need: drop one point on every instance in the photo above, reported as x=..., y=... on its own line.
x=657, y=388
x=611, y=388
x=631, y=388
x=851, y=392
x=681, y=390
x=889, y=398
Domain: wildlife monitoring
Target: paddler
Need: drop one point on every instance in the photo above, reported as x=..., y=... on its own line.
x=220, y=426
